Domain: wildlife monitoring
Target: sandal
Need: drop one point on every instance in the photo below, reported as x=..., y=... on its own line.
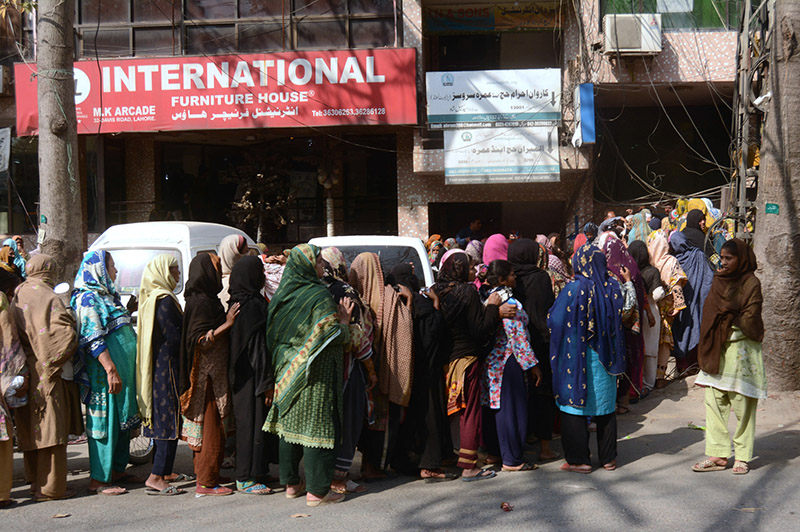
x=433, y=477
x=740, y=467
x=484, y=474
x=621, y=410
x=349, y=487
x=8, y=503
x=181, y=477
x=68, y=494
x=109, y=490
x=611, y=466
x=253, y=488
x=708, y=465
x=525, y=466
x=299, y=491
x=330, y=498
x=168, y=491
x=582, y=469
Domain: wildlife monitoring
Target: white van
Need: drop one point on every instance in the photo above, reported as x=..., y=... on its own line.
x=134, y=245
x=392, y=250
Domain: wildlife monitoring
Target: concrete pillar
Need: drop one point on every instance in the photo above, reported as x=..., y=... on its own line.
x=140, y=176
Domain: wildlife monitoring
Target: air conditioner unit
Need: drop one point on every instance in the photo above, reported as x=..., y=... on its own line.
x=637, y=34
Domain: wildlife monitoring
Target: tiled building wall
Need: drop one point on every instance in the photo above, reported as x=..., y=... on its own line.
x=686, y=56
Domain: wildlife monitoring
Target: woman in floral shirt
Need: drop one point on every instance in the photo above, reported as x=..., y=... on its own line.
x=504, y=382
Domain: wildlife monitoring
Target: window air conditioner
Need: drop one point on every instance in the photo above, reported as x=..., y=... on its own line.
x=637, y=34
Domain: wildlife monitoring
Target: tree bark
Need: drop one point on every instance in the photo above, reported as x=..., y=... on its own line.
x=59, y=180
x=777, y=236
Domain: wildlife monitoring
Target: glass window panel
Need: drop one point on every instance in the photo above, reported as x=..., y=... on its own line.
x=110, y=11
x=372, y=6
x=110, y=43
x=156, y=41
x=319, y=7
x=322, y=35
x=210, y=39
x=156, y=10
x=372, y=33
x=264, y=8
x=261, y=37
x=198, y=10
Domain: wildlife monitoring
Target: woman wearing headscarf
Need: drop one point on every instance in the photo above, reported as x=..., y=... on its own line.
x=231, y=249
x=12, y=367
x=306, y=335
x=424, y=432
x=587, y=347
x=535, y=291
x=475, y=251
x=641, y=226
x=695, y=231
x=470, y=326
x=553, y=262
x=699, y=275
x=617, y=256
x=205, y=392
x=7, y=258
x=158, y=356
x=359, y=371
x=651, y=328
x=393, y=344
x=251, y=377
x=106, y=371
x=19, y=260
x=47, y=334
x=672, y=279
x=730, y=358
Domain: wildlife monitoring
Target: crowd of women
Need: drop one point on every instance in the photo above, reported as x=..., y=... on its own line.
x=516, y=341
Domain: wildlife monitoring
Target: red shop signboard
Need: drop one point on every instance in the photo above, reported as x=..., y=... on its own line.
x=286, y=89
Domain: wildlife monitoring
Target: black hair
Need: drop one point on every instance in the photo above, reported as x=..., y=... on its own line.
x=108, y=259
x=498, y=269
x=731, y=247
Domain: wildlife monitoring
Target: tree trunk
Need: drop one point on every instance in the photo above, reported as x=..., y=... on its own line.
x=777, y=237
x=59, y=181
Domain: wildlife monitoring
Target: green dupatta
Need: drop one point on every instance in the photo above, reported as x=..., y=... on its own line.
x=302, y=320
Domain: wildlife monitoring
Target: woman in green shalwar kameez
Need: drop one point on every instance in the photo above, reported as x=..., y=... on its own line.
x=105, y=371
x=306, y=333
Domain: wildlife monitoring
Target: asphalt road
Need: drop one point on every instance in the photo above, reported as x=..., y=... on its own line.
x=653, y=489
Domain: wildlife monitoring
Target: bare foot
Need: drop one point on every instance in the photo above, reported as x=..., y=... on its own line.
x=156, y=482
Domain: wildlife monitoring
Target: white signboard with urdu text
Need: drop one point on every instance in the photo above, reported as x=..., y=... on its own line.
x=494, y=98
x=516, y=155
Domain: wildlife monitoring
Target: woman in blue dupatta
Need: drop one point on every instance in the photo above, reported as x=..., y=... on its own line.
x=19, y=260
x=106, y=371
x=699, y=276
x=306, y=335
x=587, y=353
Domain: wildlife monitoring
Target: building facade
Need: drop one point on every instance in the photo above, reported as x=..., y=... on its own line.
x=662, y=118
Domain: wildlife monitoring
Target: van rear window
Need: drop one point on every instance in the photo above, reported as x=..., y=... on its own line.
x=390, y=257
x=131, y=263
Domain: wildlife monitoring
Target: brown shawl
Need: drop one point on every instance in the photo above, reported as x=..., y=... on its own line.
x=734, y=299
x=394, y=328
x=48, y=335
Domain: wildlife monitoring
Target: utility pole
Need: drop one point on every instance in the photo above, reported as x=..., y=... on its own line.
x=61, y=222
x=777, y=233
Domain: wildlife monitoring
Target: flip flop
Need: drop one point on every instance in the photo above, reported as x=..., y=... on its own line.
x=611, y=466
x=168, y=491
x=708, y=465
x=527, y=466
x=182, y=477
x=108, y=491
x=255, y=488
x=483, y=475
